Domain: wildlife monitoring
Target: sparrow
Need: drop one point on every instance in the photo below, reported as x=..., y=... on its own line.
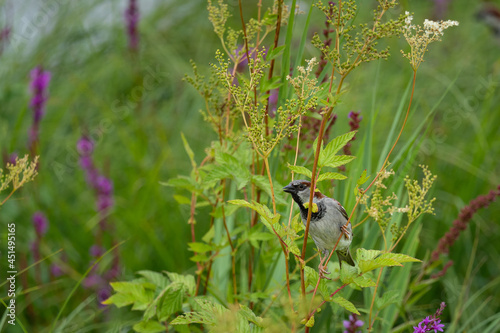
x=327, y=224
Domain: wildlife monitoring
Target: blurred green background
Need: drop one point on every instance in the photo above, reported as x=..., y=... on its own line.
x=96, y=89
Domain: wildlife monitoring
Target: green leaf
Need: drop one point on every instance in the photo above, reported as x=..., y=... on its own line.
x=331, y=149
x=120, y=300
x=371, y=259
x=181, y=182
x=249, y=315
x=182, y=200
x=267, y=217
x=348, y=274
x=169, y=302
x=189, y=151
x=345, y=303
x=275, y=52
x=199, y=247
x=331, y=175
x=186, y=280
x=155, y=278
x=310, y=322
x=339, y=160
x=399, y=257
x=363, y=178
x=312, y=279
x=215, y=173
x=207, y=315
x=209, y=235
x=268, y=85
x=363, y=281
x=149, y=327
x=300, y=169
x=199, y=258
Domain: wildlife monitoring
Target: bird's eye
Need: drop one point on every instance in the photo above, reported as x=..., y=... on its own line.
x=302, y=186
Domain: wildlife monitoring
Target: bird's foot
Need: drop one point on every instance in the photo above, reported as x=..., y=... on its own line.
x=323, y=271
x=346, y=232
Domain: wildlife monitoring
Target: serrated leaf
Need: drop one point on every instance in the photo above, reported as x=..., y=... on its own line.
x=345, y=304
x=331, y=149
x=200, y=247
x=363, y=178
x=150, y=311
x=312, y=279
x=186, y=280
x=249, y=315
x=215, y=173
x=363, y=281
x=268, y=218
x=399, y=257
x=331, y=175
x=169, y=303
x=369, y=265
x=120, y=300
x=136, y=289
x=348, y=273
x=339, y=160
x=371, y=259
x=155, y=278
x=301, y=170
x=149, y=327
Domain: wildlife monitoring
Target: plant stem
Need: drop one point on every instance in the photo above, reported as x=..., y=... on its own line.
x=370, y=323
x=271, y=67
x=270, y=182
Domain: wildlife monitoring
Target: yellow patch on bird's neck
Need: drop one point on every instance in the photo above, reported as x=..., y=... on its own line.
x=314, y=209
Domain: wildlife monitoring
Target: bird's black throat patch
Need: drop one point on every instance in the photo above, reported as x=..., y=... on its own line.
x=314, y=216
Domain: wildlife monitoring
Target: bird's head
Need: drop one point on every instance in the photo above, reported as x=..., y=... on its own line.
x=300, y=191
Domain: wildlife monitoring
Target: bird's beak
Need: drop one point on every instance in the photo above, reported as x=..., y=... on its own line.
x=289, y=189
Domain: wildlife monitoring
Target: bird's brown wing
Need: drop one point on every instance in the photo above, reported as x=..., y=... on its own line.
x=342, y=211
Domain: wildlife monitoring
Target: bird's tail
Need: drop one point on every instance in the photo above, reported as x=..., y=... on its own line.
x=345, y=255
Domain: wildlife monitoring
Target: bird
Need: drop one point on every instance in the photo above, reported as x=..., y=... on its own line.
x=327, y=224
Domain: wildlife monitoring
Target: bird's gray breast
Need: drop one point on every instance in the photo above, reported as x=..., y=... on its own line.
x=325, y=230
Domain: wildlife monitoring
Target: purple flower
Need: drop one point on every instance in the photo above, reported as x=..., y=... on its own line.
x=104, y=185
x=39, y=83
x=352, y=324
x=132, y=19
x=85, y=146
x=437, y=326
x=40, y=223
x=104, y=202
x=431, y=323
x=461, y=223
x=96, y=251
x=102, y=295
x=92, y=281
x=55, y=270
